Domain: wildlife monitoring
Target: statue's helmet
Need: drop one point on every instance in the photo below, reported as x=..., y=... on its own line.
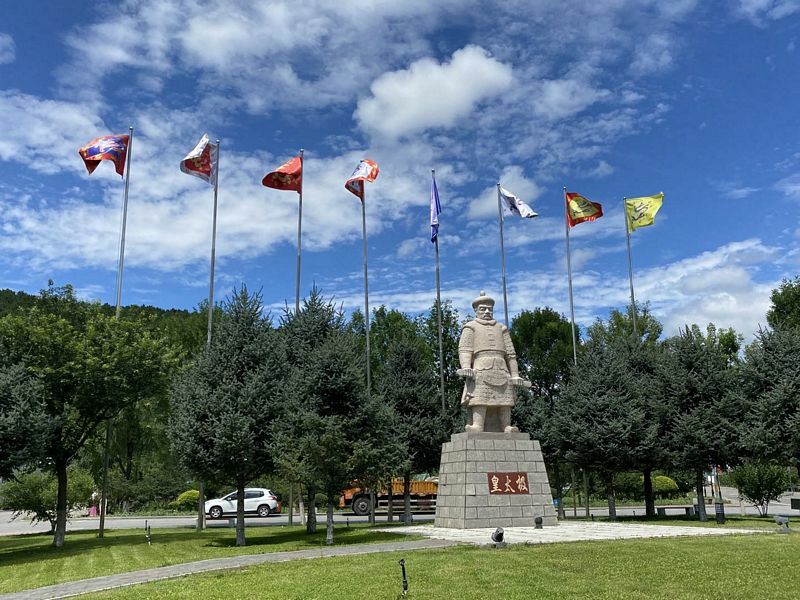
x=482, y=299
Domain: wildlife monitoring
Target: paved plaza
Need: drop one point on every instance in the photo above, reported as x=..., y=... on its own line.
x=567, y=531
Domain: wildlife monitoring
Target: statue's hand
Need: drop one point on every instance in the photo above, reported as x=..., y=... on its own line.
x=520, y=382
x=467, y=373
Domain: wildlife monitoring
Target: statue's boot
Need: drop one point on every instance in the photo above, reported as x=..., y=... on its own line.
x=505, y=420
x=478, y=418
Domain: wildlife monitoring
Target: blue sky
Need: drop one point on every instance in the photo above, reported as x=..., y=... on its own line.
x=610, y=99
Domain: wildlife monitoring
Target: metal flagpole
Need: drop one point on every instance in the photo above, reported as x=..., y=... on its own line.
x=124, y=221
x=299, y=236
x=439, y=315
x=213, y=253
x=502, y=253
x=569, y=278
x=109, y=423
x=201, y=516
x=366, y=282
x=630, y=264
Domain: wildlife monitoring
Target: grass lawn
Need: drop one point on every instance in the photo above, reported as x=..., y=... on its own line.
x=29, y=561
x=730, y=567
x=735, y=522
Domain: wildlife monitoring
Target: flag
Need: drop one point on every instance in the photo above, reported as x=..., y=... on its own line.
x=436, y=210
x=107, y=147
x=202, y=161
x=367, y=170
x=517, y=206
x=641, y=212
x=579, y=209
x=289, y=176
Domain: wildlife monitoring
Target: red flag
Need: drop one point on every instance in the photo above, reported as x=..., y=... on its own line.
x=580, y=209
x=367, y=170
x=107, y=147
x=289, y=176
x=202, y=160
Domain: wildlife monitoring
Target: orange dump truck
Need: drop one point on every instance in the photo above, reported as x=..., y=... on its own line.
x=423, y=497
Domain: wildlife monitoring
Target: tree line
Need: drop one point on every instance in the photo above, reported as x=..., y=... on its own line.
x=284, y=396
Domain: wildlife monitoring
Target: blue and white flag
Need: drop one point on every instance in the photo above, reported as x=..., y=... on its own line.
x=436, y=209
x=517, y=206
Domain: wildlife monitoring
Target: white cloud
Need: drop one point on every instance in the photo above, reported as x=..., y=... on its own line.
x=44, y=134
x=8, y=52
x=759, y=11
x=602, y=169
x=790, y=186
x=741, y=192
x=430, y=94
x=653, y=54
x=561, y=98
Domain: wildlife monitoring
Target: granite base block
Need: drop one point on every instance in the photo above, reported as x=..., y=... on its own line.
x=464, y=500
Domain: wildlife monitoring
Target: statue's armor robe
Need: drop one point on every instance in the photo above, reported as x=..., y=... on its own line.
x=485, y=347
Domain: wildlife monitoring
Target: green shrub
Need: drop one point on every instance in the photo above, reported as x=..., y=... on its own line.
x=34, y=494
x=760, y=483
x=664, y=487
x=186, y=501
x=629, y=486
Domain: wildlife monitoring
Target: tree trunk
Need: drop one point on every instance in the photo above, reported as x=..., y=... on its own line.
x=612, y=501
x=390, y=509
x=586, y=489
x=329, y=522
x=201, y=507
x=301, y=507
x=373, y=501
x=291, y=504
x=649, y=496
x=311, y=521
x=407, y=498
x=61, y=502
x=240, y=540
x=701, y=496
x=559, y=494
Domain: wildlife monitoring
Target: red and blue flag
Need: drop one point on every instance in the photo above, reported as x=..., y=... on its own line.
x=107, y=147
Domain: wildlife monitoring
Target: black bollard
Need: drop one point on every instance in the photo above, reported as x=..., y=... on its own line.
x=403, y=570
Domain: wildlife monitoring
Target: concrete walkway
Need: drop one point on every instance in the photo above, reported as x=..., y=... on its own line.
x=97, y=584
x=567, y=531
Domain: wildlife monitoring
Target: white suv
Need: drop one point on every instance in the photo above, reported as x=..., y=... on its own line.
x=257, y=501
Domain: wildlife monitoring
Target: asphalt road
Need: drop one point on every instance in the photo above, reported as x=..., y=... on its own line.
x=23, y=526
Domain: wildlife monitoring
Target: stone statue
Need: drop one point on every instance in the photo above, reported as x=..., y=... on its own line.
x=489, y=365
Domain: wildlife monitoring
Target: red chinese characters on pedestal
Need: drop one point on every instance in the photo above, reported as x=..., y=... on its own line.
x=508, y=483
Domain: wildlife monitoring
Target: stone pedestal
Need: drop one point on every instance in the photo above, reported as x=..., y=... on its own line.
x=492, y=480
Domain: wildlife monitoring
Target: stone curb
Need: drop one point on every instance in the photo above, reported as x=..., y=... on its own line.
x=107, y=582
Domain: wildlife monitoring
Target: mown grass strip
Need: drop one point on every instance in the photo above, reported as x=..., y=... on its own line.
x=30, y=561
x=730, y=567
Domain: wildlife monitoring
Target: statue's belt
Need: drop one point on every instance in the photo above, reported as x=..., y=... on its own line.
x=493, y=377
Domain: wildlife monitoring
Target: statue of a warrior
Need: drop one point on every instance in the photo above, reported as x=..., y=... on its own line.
x=489, y=365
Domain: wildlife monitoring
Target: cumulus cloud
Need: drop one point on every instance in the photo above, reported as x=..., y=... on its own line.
x=8, y=52
x=431, y=94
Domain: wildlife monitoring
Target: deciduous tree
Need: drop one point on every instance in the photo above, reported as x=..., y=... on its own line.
x=89, y=366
